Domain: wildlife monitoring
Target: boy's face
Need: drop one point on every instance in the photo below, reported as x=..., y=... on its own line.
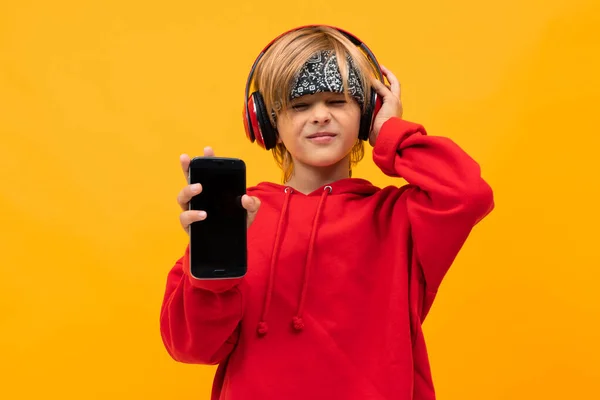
x=319, y=130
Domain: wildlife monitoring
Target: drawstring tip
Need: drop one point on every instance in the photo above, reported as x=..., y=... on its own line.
x=263, y=328
x=298, y=323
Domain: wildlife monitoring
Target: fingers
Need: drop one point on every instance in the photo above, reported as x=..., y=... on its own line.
x=390, y=95
x=184, y=160
x=209, y=152
x=186, y=194
x=251, y=204
x=186, y=218
x=380, y=88
x=394, y=83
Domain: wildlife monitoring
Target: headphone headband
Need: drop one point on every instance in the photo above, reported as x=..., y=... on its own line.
x=355, y=40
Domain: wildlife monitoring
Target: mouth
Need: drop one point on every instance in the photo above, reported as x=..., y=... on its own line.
x=321, y=135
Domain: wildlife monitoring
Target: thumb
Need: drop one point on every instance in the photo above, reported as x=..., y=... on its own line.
x=251, y=204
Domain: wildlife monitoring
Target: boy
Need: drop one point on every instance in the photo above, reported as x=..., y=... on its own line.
x=341, y=273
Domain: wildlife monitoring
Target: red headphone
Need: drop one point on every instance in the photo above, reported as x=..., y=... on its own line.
x=256, y=117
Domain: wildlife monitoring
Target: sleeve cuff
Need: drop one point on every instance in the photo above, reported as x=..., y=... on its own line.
x=391, y=135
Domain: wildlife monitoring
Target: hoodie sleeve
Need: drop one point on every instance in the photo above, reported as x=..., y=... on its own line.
x=199, y=319
x=446, y=195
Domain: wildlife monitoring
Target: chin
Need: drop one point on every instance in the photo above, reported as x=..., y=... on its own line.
x=325, y=156
x=325, y=160
x=324, y=163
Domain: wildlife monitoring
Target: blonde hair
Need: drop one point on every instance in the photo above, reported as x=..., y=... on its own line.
x=277, y=69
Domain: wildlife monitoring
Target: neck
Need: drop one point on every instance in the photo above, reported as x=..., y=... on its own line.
x=307, y=179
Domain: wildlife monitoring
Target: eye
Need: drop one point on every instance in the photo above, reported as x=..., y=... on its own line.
x=299, y=106
x=337, y=102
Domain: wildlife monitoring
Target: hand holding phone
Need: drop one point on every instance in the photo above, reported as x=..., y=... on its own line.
x=250, y=203
x=217, y=220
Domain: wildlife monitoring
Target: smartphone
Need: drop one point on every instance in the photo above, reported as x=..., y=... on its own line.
x=218, y=244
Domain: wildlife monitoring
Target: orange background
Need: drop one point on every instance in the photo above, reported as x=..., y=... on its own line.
x=98, y=99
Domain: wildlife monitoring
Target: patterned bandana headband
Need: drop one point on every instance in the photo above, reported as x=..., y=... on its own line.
x=321, y=73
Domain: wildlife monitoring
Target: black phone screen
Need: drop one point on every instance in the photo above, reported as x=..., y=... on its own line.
x=218, y=243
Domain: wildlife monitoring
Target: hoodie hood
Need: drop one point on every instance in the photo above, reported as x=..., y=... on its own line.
x=343, y=186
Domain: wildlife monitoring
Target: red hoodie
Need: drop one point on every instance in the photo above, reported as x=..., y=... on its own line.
x=339, y=281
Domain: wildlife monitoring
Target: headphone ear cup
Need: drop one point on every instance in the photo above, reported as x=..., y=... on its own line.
x=367, y=119
x=247, y=123
x=378, y=101
x=267, y=132
x=253, y=121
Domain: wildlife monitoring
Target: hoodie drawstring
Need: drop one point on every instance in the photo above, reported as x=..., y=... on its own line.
x=263, y=328
x=297, y=320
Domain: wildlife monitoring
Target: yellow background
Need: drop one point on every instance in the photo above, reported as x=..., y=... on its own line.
x=98, y=99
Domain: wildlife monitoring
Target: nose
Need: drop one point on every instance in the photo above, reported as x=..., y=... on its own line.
x=321, y=114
